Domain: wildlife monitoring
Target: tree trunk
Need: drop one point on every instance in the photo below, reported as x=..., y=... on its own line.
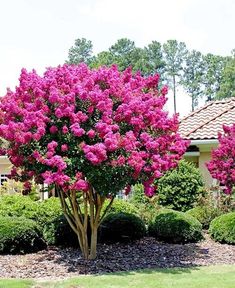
x=174, y=93
x=79, y=221
x=93, y=250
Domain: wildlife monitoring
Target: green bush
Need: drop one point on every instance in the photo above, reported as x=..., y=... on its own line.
x=204, y=214
x=222, y=228
x=121, y=206
x=19, y=235
x=39, y=211
x=175, y=227
x=58, y=232
x=48, y=210
x=179, y=189
x=121, y=227
x=17, y=206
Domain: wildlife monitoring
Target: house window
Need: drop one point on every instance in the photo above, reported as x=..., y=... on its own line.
x=3, y=178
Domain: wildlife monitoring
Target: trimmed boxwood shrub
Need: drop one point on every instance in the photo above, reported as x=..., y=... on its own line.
x=204, y=214
x=175, y=227
x=121, y=227
x=222, y=228
x=19, y=235
x=180, y=188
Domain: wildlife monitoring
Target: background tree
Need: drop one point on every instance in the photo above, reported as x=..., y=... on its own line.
x=227, y=84
x=155, y=62
x=174, y=54
x=89, y=133
x=213, y=67
x=192, y=76
x=104, y=58
x=80, y=52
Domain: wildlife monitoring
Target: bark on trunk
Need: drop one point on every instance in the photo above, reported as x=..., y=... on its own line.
x=80, y=221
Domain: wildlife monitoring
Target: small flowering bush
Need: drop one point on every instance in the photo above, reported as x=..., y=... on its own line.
x=89, y=133
x=222, y=165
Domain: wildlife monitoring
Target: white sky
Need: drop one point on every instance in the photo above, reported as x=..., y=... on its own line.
x=38, y=33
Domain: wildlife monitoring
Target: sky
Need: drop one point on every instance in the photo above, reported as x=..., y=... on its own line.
x=38, y=33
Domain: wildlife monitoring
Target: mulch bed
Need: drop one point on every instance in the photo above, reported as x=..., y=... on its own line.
x=56, y=263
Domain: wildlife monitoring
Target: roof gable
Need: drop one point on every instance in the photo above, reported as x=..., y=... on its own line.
x=205, y=122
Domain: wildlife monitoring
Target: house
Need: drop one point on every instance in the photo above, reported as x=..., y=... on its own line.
x=202, y=127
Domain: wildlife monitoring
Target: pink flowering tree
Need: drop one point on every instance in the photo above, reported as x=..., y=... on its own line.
x=89, y=134
x=222, y=165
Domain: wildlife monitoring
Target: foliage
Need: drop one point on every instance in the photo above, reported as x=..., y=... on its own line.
x=121, y=227
x=19, y=235
x=222, y=228
x=17, y=206
x=87, y=133
x=204, y=214
x=147, y=207
x=181, y=187
x=227, y=84
x=58, y=232
x=175, y=227
x=174, y=55
x=222, y=164
x=80, y=52
x=192, y=76
x=213, y=66
x=120, y=205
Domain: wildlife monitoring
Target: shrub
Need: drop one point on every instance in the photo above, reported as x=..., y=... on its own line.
x=147, y=207
x=19, y=235
x=204, y=214
x=222, y=228
x=17, y=206
x=59, y=233
x=175, y=227
x=180, y=188
x=121, y=206
x=121, y=227
x=48, y=210
x=39, y=211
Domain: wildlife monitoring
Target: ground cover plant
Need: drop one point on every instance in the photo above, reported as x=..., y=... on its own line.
x=89, y=133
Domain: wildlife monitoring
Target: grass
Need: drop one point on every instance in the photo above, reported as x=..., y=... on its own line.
x=15, y=283
x=220, y=276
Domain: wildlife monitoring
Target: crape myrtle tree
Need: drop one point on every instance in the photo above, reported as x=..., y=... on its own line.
x=89, y=133
x=222, y=164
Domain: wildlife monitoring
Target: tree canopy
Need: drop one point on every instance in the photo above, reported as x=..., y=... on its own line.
x=89, y=133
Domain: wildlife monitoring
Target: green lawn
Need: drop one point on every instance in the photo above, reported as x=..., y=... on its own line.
x=198, y=277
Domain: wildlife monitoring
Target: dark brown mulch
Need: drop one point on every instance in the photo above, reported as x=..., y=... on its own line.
x=57, y=263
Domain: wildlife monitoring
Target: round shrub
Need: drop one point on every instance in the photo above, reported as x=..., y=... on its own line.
x=180, y=188
x=121, y=206
x=222, y=228
x=204, y=214
x=58, y=232
x=121, y=227
x=175, y=227
x=19, y=235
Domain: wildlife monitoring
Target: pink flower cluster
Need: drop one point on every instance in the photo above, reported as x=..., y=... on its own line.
x=73, y=119
x=222, y=165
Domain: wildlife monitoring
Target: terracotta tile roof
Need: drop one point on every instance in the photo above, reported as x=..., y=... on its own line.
x=207, y=121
